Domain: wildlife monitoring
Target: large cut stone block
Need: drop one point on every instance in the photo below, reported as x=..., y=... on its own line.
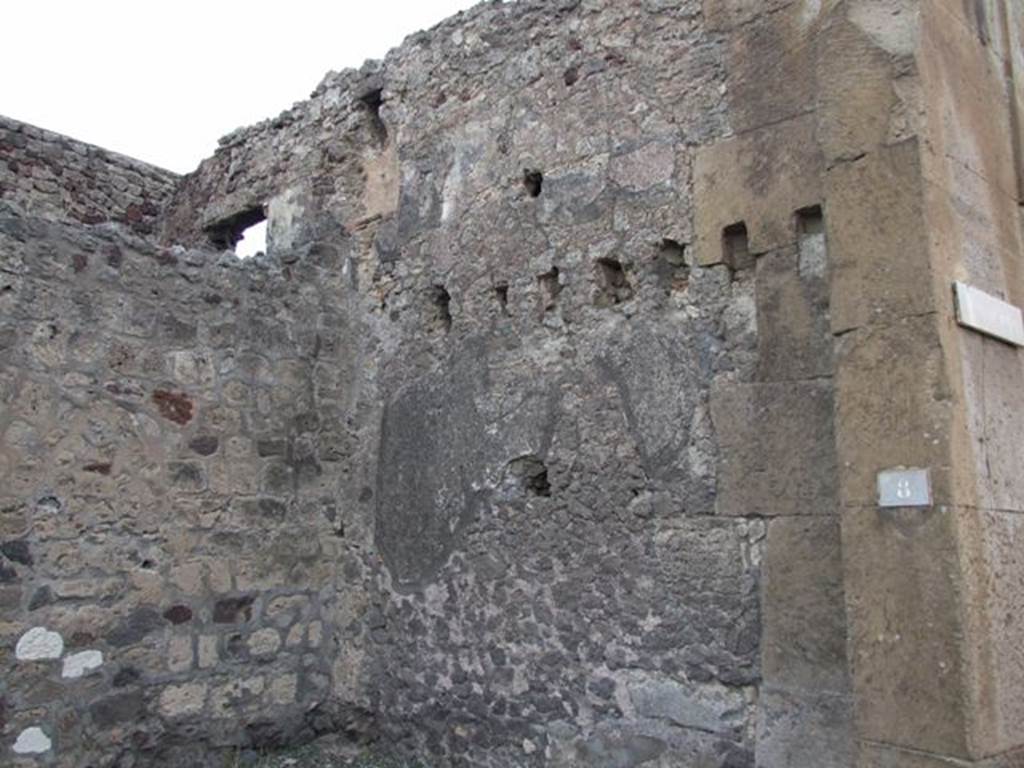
x=805, y=710
x=992, y=557
x=994, y=404
x=877, y=239
x=772, y=73
x=865, y=99
x=804, y=614
x=794, y=337
x=902, y=585
x=893, y=407
x=777, y=448
x=803, y=729
x=760, y=179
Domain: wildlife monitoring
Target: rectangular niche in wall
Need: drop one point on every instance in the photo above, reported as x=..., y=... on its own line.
x=736, y=247
x=810, y=229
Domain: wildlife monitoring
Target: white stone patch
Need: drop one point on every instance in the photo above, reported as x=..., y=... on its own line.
x=77, y=664
x=32, y=741
x=452, y=188
x=283, y=214
x=893, y=25
x=810, y=12
x=813, y=255
x=39, y=643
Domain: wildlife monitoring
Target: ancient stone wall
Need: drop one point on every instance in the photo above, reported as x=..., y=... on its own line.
x=54, y=177
x=174, y=436
x=554, y=581
x=547, y=431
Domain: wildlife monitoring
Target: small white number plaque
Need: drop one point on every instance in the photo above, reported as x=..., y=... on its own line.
x=904, y=488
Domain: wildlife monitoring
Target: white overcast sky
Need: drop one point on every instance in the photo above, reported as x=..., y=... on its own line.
x=162, y=81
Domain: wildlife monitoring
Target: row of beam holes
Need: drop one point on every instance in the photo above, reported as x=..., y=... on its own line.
x=809, y=222
x=441, y=320
x=614, y=287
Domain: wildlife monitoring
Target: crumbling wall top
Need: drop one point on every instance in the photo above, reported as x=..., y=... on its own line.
x=51, y=176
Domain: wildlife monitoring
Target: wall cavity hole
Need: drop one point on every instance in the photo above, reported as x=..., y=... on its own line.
x=533, y=181
x=810, y=221
x=501, y=295
x=371, y=103
x=571, y=76
x=614, y=287
x=227, y=233
x=550, y=287
x=49, y=505
x=810, y=232
x=530, y=475
x=672, y=268
x=442, y=303
x=736, y=247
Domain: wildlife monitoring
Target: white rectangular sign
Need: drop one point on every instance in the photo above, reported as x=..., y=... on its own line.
x=985, y=313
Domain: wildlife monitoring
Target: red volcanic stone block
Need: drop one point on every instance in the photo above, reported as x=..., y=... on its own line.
x=174, y=406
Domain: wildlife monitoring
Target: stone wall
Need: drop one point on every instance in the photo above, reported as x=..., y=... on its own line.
x=54, y=177
x=547, y=432
x=552, y=581
x=174, y=434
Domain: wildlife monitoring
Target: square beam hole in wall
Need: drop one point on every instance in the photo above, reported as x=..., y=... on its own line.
x=441, y=314
x=736, y=247
x=810, y=232
x=550, y=286
x=810, y=221
x=672, y=267
x=533, y=182
x=248, y=227
x=501, y=294
x=613, y=285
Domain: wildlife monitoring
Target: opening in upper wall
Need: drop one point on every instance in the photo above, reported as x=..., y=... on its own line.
x=254, y=240
x=371, y=102
x=245, y=233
